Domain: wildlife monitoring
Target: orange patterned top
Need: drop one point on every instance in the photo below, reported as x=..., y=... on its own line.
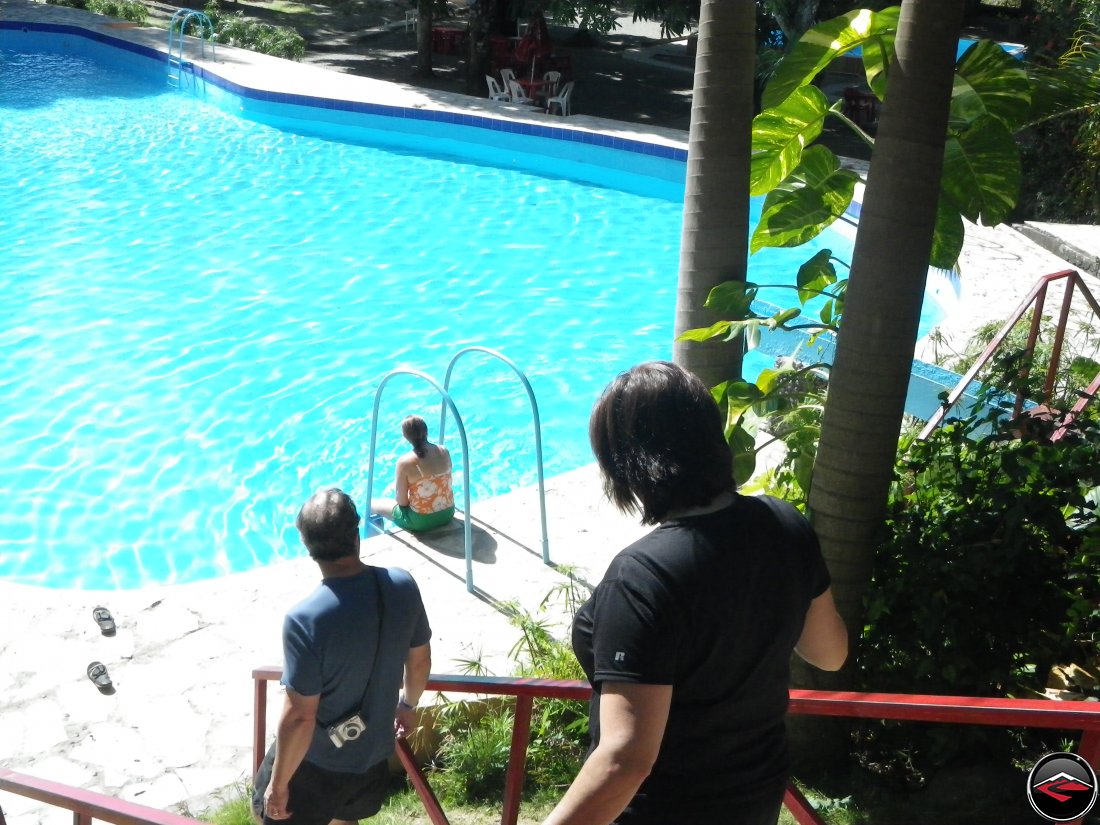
x=431, y=494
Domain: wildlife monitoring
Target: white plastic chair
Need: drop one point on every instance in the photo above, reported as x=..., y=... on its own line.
x=506, y=77
x=562, y=100
x=553, y=82
x=517, y=93
x=495, y=92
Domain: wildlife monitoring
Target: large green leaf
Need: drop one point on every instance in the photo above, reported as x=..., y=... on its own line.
x=819, y=46
x=947, y=242
x=715, y=330
x=811, y=198
x=742, y=444
x=877, y=54
x=981, y=171
x=740, y=395
x=815, y=276
x=988, y=81
x=732, y=299
x=779, y=135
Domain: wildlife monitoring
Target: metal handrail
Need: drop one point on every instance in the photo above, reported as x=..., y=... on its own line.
x=1037, y=297
x=538, y=429
x=969, y=710
x=177, y=27
x=87, y=805
x=448, y=402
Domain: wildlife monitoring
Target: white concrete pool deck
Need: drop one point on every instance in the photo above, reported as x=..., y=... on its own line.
x=178, y=728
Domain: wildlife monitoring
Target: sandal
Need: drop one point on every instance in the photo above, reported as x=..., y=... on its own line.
x=97, y=672
x=105, y=620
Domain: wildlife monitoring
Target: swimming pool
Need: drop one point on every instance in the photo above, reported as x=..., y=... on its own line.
x=198, y=308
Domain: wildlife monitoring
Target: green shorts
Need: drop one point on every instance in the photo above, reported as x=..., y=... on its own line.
x=408, y=519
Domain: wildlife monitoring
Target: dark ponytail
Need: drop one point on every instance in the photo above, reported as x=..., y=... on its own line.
x=416, y=433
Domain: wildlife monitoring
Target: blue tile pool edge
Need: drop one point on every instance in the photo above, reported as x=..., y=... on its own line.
x=673, y=153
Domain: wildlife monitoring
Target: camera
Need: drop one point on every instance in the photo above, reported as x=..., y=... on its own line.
x=347, y=730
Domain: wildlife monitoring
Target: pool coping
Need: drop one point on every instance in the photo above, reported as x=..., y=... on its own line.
x=260, y=77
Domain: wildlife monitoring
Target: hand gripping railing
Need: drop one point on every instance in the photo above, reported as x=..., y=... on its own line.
x=447, y=402
x=538, y=429
x=1035, y=300
x=967, y=710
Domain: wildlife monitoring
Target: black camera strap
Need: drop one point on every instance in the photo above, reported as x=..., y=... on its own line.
x=380, y=604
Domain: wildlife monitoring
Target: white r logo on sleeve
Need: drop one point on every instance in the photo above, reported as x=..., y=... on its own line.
x=620, y=656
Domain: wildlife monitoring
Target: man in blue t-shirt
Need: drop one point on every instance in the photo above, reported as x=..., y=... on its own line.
x=357, y=658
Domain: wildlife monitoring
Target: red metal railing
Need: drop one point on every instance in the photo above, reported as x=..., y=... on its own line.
x=1025, y=713
x=86, y=805
x=1036, y=301
x=1015, y=713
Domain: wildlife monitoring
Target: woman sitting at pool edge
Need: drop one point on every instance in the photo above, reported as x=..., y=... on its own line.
x=425, y=499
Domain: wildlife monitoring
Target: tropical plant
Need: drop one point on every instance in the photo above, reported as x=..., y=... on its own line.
x=994, y=96
x=988, y=575
x=473, y=757
x=787, y=400
x=235, y=30
x=944, y=151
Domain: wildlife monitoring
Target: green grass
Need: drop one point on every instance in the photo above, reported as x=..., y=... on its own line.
x=403, y=807
x=282, y=7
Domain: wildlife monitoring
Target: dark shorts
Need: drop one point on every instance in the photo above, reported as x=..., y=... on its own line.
x=318, y=796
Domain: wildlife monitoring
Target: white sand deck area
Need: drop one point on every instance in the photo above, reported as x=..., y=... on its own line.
x=178, y=728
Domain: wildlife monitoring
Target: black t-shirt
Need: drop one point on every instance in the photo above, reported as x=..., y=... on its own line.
x=712, y=605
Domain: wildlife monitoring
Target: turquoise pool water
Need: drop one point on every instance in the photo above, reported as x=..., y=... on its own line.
x=197, y=309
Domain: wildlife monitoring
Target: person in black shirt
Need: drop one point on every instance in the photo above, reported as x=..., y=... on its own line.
x=687, y=639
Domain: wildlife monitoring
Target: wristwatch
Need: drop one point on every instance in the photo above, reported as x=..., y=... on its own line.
x=401, y=703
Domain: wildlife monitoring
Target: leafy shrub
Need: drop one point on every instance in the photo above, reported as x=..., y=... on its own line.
x=235, y=30
x=988, y=577
x=132, y=10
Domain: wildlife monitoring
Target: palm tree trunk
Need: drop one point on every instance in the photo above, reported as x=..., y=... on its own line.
x=863, y=414
x=714, y=243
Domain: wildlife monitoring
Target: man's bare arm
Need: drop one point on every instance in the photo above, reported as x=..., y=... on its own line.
x=294, y=734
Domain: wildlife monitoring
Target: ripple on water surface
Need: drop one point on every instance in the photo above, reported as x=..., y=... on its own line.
x=198, y=309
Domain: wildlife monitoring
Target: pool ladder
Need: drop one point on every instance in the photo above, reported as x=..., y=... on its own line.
x=177, y=28
x=448, y=403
